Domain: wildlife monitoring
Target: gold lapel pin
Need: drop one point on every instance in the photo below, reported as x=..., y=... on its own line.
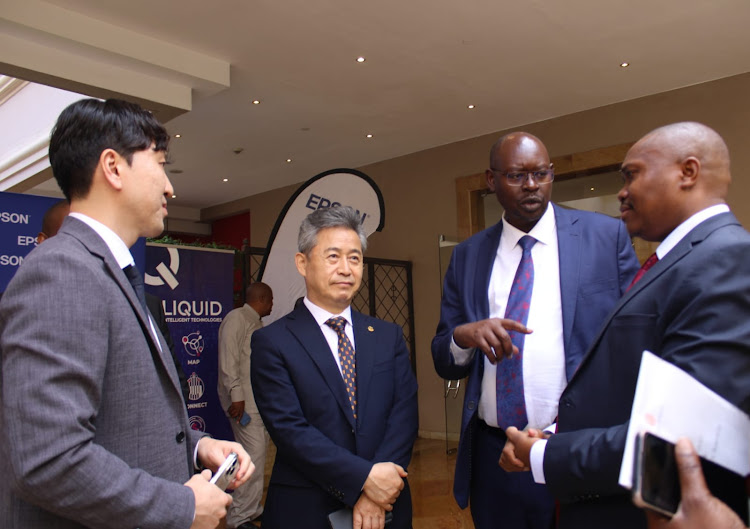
x=369, y=328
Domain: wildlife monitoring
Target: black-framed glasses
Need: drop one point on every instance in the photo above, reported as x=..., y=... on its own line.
x=516, y=178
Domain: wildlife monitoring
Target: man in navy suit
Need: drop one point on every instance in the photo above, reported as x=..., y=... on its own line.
x=340, y=405
x=582, y=263
x=691, y=308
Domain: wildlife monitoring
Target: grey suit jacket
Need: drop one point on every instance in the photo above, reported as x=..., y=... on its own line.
x=93, y=430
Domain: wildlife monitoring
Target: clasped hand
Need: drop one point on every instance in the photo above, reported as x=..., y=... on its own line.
x=515, y=455
x=490, y=336
x=383, y=485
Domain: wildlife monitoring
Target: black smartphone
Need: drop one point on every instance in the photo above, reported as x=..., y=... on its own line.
x=656, y=483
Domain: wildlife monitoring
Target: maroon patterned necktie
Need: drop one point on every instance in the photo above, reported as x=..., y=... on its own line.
x=511, y=402
x=651, y=261
x=346, y=356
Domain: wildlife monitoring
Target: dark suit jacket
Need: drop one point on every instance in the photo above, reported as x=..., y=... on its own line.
x=597, y=263
x=81, y=379
x=323, y=454
x=692, y=309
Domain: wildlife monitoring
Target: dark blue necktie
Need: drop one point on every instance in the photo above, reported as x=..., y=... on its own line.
x=511, y=406
x=346, y=356
x=134, y=276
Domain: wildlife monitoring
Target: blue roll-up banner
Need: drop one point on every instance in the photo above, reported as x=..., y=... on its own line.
x=195, y=286
x=20, y=222
x=336, y=187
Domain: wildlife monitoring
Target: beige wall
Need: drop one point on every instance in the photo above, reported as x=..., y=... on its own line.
x=419, y=192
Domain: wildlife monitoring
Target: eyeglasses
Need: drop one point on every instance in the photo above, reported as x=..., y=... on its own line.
x=517, y=178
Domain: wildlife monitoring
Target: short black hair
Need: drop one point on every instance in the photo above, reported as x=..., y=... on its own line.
x=88, y=127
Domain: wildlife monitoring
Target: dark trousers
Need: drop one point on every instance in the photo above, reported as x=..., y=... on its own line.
x=504, y=500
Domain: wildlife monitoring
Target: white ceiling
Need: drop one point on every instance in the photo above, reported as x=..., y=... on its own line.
x=517, y=61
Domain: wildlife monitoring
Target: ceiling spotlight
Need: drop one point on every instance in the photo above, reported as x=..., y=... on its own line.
x=369, y=135
x=361, y=59
x=470, y=107
x=624, y=64
x=288, y=160
x=256, y=102
x=592, y=189
x=174, y=196
x=178, y=135
x=226, y=179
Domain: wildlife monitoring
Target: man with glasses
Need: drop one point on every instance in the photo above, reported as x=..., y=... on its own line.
x=555, y=271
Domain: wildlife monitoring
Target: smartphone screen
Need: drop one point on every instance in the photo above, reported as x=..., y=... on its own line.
x=657, y=481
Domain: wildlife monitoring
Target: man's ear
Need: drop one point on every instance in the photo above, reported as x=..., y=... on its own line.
x=490, y=177
x=300, y=260
x=691, y=168
x=109, y=163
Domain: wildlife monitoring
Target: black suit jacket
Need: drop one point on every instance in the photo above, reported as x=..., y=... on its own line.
x=692, y=309
x=323, y=454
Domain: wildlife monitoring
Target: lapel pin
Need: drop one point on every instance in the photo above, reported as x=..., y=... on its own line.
x=369, y=328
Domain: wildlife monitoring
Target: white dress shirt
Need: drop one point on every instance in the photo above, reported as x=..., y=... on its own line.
x=321, y=316
x=543, y=350
x=536, y=456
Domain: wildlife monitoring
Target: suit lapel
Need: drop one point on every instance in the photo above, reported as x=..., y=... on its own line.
x=486, y=258
x=365, y=347
x=569, y=250
x=96, y=246
x=675, y=255
x=304, y=327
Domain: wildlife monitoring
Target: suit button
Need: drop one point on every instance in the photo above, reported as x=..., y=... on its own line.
x=471, y=404
x=180, y=437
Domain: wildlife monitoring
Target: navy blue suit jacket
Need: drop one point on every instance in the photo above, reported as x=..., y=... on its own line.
x=597, y=263
x=321, y=448
x=692, y=309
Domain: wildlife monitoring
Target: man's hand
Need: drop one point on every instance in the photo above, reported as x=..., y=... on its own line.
x=236, y=409
x=515, y=456
x=384, y=484
x=368, y=514
x=211, y=503
x=213, y=452
x=490, y=336
x=699, y=509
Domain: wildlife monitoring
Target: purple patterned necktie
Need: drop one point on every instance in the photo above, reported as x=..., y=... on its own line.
x=346, y=356
x=511, y=406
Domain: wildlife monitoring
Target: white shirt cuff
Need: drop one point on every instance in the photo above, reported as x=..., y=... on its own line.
x=536, y=460
x=461, y=356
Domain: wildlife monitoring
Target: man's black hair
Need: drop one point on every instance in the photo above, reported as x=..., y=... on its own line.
x=88, y=127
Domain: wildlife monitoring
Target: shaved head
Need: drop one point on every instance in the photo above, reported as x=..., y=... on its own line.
x=260, y=297
x=681, y=141
x=669, y=175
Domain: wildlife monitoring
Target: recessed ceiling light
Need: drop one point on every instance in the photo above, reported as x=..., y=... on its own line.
x=361, y=59
x=288, y=160
x=624, y=64
x=174, y=196
x=226, y=179
x=256, y=102
x=178, y=135
x=470, y=107
x=592, y=189
x=369, y=135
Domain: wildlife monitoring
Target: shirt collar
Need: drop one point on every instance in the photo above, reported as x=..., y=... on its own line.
x=683, y=229
x=322, y=316
x=544, y=231
x=116, y=245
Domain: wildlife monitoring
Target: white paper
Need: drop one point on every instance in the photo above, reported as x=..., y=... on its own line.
x=671, y=404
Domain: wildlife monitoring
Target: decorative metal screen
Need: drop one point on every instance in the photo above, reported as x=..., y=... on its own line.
x=386, y=291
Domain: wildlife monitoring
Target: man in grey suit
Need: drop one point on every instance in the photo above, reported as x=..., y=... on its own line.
x=93, y=430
